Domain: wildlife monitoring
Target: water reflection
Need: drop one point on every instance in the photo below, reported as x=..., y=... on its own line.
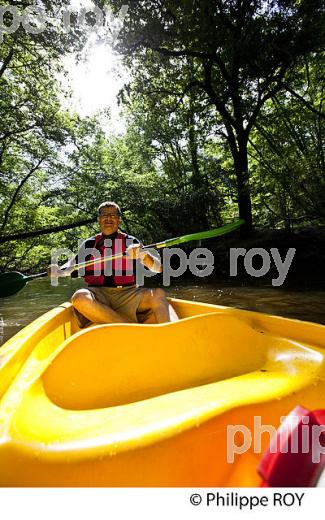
x=39, y=296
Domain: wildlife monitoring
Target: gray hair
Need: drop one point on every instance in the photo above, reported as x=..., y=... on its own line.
x=110, y=204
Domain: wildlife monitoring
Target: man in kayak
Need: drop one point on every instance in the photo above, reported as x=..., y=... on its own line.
x=115, y=298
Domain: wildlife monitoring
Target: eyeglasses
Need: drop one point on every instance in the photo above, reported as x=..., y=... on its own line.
x=112, y=215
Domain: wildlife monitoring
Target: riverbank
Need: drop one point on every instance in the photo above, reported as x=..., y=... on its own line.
x=305, y=272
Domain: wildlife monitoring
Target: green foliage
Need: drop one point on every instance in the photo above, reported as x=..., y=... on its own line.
x=34, y=135
x=225, y=111
x=234, y=55
x=287, y=150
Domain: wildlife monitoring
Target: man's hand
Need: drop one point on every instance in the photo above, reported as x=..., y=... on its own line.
x=55, y=271
x=135, y=252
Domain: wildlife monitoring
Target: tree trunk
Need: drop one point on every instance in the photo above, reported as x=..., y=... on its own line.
x=243, y=187
x=196, y=180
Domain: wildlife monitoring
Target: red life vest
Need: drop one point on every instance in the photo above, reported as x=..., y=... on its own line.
x=120, y=265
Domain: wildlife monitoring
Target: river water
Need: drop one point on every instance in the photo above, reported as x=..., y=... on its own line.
x=39, y=296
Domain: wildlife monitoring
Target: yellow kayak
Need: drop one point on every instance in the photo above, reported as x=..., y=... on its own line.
x=152, y=405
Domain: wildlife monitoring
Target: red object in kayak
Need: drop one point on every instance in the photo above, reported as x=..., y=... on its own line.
x=296, y=455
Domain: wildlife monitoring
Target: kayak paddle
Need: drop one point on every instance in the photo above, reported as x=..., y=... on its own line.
x=12, y=283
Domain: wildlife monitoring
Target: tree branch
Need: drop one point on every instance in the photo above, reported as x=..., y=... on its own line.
x=303, y=101
x=196, y=54
x=15, y=195
x=47, y=231
x=6, y=62
x=16, y=132
x=262, y=99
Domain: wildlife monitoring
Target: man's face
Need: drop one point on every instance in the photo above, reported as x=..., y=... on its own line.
x=109, y=220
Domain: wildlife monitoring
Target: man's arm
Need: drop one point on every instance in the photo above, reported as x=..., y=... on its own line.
x=68, y=269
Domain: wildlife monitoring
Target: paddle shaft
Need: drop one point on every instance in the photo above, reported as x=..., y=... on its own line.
x=32, y=276
x=114, y=257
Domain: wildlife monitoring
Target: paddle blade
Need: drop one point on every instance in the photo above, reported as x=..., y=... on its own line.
x=11, y=283
x=205, y=234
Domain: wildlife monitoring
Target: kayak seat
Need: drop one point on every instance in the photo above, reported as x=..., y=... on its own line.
x=111, y=365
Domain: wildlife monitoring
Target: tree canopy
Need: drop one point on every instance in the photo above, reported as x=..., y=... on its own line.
x=224, y=115
x=234, y=55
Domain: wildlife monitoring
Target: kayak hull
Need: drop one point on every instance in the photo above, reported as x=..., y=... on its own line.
x=180, y=404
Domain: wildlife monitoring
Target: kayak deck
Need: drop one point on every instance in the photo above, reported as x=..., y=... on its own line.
x=150, y=405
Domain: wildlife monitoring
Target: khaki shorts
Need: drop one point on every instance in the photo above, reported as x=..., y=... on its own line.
x=124, y=300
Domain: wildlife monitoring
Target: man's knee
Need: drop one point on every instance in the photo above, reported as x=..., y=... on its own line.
x=80, y=297
x=158, y=297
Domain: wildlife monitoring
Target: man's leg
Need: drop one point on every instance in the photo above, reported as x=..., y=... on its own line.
x=85, y=303
x=156, y=301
